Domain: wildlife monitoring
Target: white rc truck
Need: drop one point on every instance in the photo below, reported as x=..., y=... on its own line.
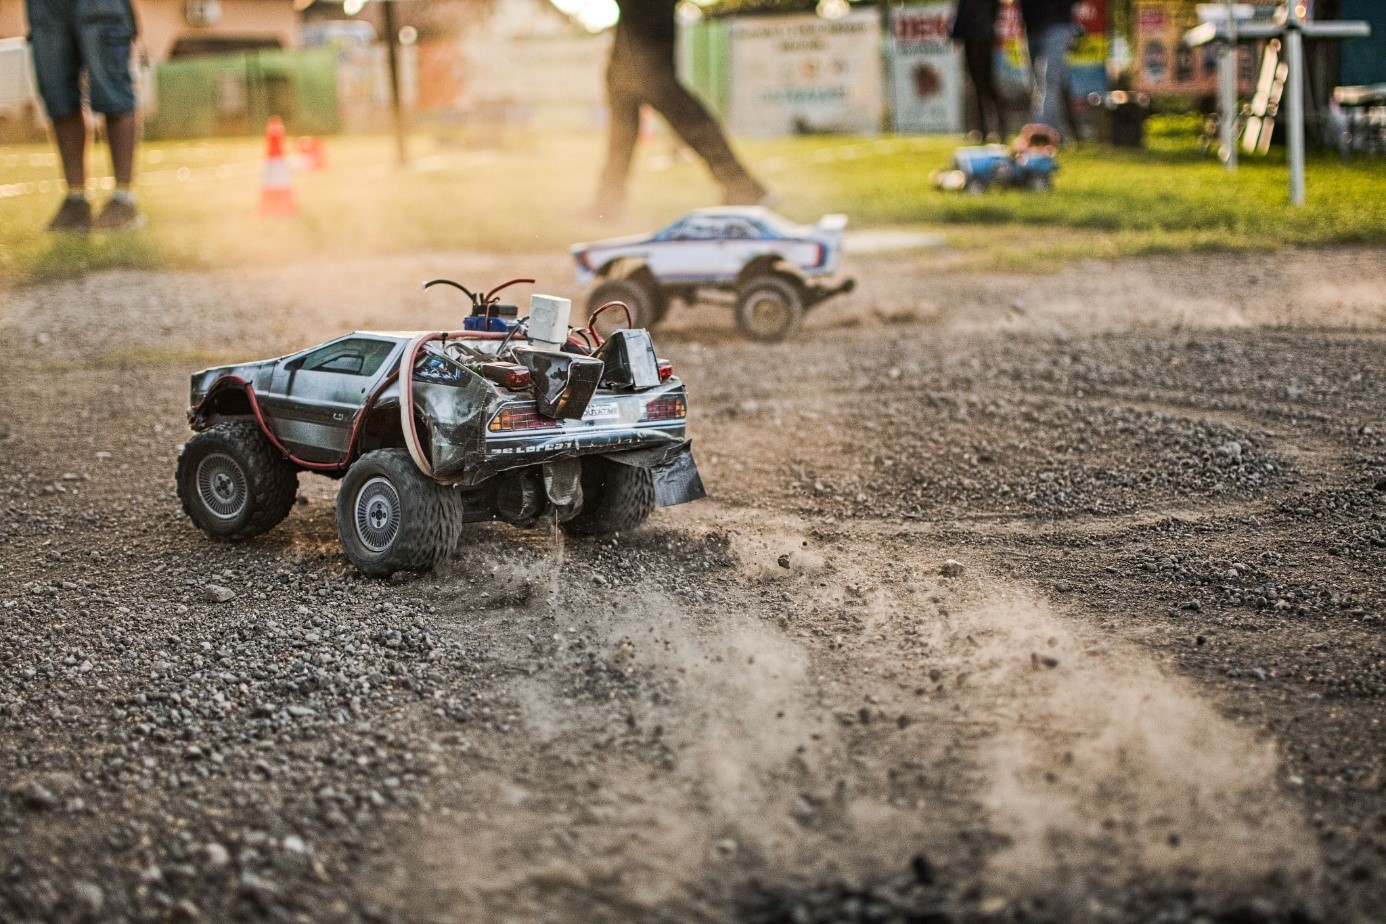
x=773, y=268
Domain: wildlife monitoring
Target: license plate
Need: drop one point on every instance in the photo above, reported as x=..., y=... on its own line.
x=606, y=411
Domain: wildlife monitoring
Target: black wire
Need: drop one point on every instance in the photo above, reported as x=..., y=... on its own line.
x=455, y=285
x=518, y=324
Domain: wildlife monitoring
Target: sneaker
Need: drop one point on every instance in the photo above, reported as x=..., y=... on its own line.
x=119, y=215
x=74, y=216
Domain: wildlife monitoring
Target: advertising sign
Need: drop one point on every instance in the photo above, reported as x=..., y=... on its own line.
x=925, y=70
x=1165, y=64
x=804, y=74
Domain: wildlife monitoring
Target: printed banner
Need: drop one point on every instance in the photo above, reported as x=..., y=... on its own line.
x=803, y=74
x=1165, y=64
x=926, y=71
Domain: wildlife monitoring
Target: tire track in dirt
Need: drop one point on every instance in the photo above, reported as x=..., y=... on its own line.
x=834, y=718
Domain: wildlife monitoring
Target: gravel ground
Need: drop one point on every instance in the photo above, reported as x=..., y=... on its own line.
x=1017, y=598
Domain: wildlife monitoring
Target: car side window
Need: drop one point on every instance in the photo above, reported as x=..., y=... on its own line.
x=701, y=230
x=357, y=356
x=742, y=231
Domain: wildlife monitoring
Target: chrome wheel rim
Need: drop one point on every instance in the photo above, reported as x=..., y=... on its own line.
x=377, y=514
x=222, y=486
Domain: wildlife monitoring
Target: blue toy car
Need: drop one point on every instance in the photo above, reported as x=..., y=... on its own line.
x=1029, y=163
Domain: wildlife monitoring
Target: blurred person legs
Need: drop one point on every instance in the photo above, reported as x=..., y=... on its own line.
x=121, y=213
x=691, y=121
x=642, y=70
x=1049, y=65
x=623, y=131
x=980, y=58
x=70, y=38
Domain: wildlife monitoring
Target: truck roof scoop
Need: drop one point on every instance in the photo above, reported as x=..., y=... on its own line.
x=630, y=360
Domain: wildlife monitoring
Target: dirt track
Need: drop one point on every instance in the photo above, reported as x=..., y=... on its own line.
x=1154, y=691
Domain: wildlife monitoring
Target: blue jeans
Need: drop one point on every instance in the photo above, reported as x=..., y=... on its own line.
x=1049, y=62
x=68, y=37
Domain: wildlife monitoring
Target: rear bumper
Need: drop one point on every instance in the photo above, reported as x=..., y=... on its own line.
x=676, y=478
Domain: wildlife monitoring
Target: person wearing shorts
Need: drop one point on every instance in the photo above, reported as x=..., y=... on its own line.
x=69, y=39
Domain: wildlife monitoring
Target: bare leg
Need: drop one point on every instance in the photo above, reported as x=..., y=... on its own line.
x=70, y=133
x=122, y=131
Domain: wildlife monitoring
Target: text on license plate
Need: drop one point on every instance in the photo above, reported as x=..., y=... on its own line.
x=608, y=410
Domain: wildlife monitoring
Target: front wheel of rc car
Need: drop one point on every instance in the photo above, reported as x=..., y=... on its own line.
x=769, y=308
x=392, y=517
x=233, y=484
x=647, y=305
x=616, y=498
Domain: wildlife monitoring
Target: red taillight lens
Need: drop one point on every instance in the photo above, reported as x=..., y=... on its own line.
x=666, y=369
x=670, y=407
x=509, y=375
x=514, y=417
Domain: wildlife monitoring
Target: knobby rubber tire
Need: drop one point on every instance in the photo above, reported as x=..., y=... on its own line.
x=272, y=482
x=430, y=515
x=616, y=498
x=785, y=290
x=647, y=304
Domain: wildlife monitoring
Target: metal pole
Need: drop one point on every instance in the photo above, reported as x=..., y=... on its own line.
x=396, y=99
x=1294, y=58
x=1227, y=88
x=1227, y=105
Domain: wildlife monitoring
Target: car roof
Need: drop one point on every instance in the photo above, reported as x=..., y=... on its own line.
x=733, y=211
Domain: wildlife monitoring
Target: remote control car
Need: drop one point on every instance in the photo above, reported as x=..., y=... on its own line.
x=512, y=419
x=1029, y=163
x=775, y=269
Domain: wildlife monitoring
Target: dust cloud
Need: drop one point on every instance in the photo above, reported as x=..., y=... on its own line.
x=1103, y=766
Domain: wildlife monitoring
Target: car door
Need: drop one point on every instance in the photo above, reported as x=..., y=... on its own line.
x=690, y=253
x=742, y=241
x=314, y=396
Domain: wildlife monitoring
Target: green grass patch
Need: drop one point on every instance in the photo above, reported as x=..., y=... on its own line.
x=530, y=193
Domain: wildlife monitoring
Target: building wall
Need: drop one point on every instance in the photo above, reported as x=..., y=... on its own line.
x=162, y=22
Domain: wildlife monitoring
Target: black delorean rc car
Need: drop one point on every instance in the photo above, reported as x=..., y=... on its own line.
x=509, y=418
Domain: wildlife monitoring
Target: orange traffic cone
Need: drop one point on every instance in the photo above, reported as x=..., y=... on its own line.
x=277, y=182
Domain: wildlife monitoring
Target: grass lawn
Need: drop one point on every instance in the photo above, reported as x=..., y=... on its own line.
x=528, y=193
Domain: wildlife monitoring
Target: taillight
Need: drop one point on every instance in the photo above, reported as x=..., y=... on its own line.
x=666, y=369
x=515, y=417
x=669, y=407
x=509, y=375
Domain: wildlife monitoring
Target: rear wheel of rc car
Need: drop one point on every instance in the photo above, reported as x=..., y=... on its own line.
x=769, y=308
x=647, y=304
x=233, y=484
x=392, y=517
x=1041, y=182
x=616, y=498
x=974, y=187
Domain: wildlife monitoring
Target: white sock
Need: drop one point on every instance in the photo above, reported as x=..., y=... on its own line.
x=77, y=195
x=123, y=195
